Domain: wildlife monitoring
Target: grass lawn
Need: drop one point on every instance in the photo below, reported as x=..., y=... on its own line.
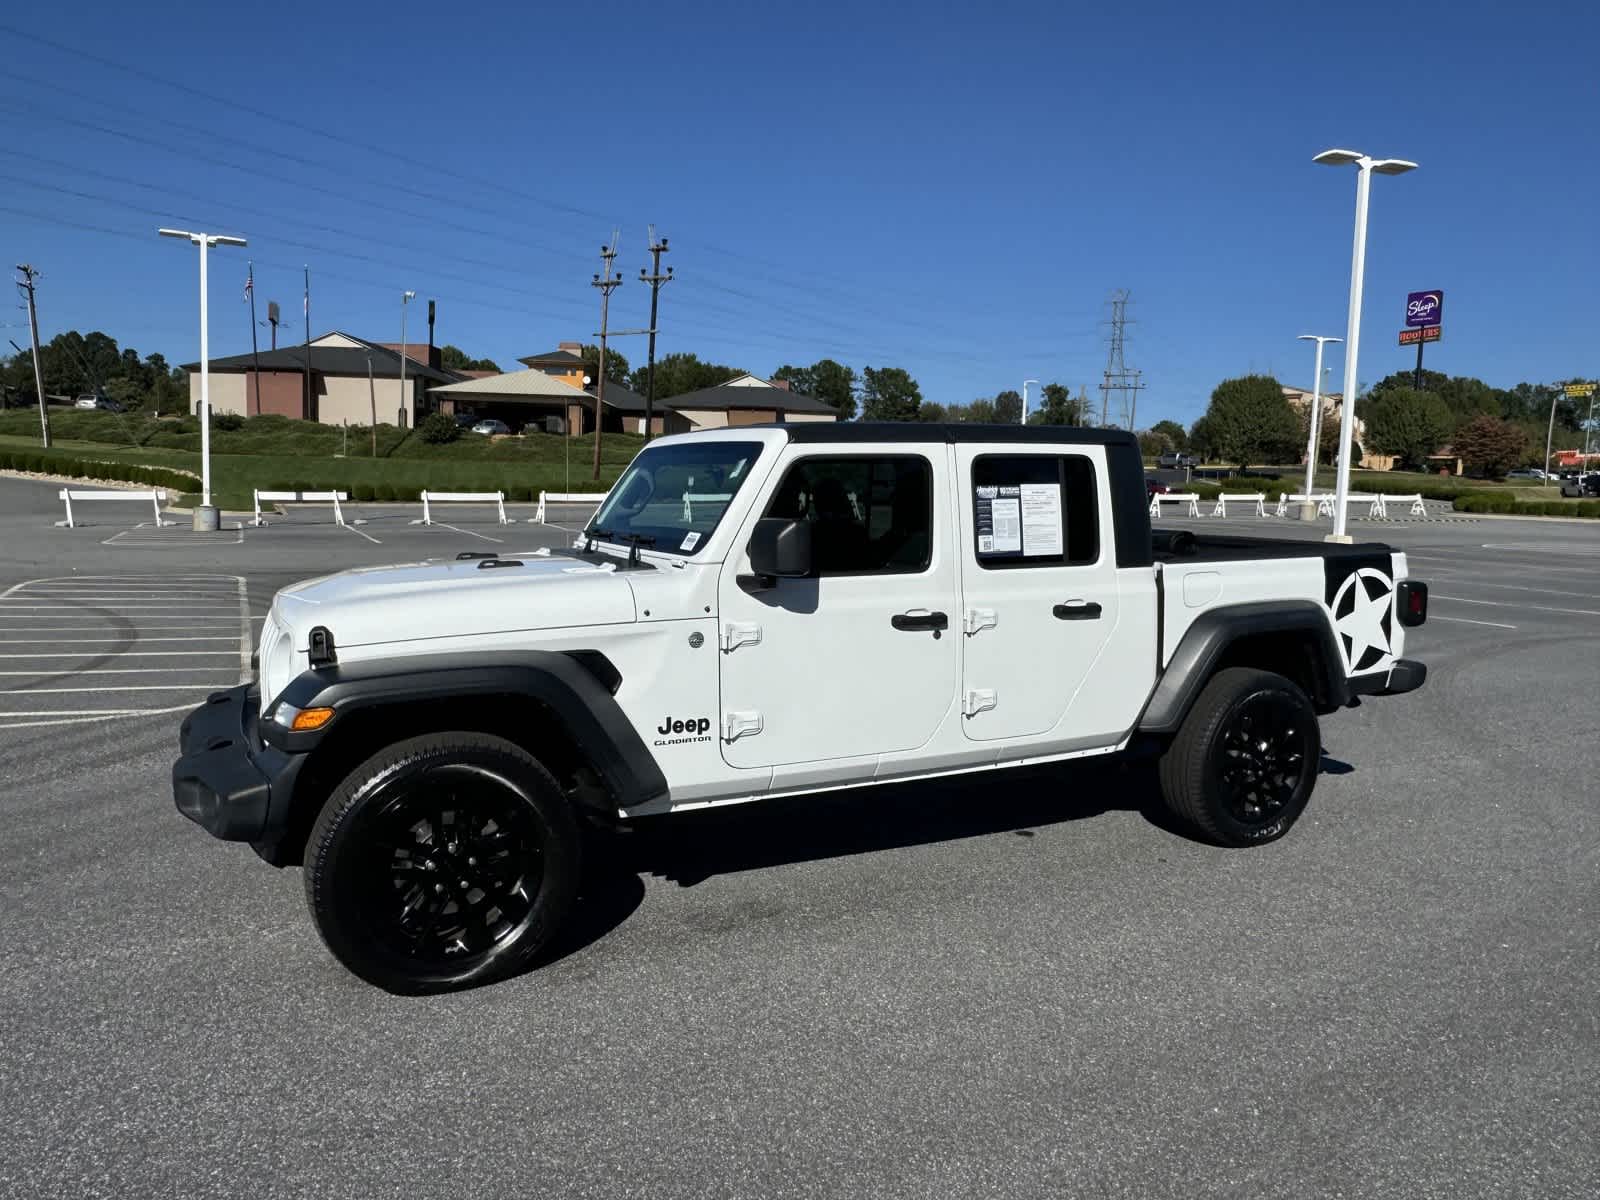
x=277, y=454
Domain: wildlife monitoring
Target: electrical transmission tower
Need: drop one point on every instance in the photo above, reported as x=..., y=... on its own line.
x=607, y=284
x=1120, y=387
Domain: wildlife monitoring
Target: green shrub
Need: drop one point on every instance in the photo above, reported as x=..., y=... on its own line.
x=362, y=492
x=438, y=429
x=226, y=422
x=519, y=494
x=383, y=493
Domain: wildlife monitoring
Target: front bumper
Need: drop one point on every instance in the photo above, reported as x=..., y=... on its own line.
x=227, y=780
x=1407, y=675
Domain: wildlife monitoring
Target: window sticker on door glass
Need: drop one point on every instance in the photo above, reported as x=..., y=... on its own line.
x=690, y=540
x=1041, y=519
x=998, y=514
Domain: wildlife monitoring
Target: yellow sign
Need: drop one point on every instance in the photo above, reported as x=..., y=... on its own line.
x=1580, y=389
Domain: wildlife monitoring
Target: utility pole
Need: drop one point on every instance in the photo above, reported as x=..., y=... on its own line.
x=607, y=284
x=655, y=279
x=255, y=349
x=1118, y=379
x=26, y=283
x=308, y=414
x=405, y=404
x=372, y=401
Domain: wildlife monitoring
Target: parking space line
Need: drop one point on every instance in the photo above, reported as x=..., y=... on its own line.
x=1577, y=612
x=189, y=686
x=1468, y=621
x=469, y=532
x=1472, y=581
x=361, y=533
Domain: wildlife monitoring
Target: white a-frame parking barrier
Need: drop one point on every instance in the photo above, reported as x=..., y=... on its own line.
x=1192, y=498
x=1256, y=498
x=302, y=498
x=708, y=497
x=595, y=498
x=68, y=495
x=498, y=499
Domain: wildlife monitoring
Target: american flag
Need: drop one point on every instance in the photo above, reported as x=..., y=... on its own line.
x=249, y=283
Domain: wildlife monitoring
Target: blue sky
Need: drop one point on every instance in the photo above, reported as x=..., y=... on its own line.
x=955, y=189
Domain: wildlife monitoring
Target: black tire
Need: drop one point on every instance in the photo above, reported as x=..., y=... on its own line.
x=1244, y=763
x=442, y=862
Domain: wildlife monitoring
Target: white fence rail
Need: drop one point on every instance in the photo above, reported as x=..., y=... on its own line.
x=155, y=498
x=498, y=499
x=594, y=498
x=1191, y=498
x=1324, y=503
x=301, y=498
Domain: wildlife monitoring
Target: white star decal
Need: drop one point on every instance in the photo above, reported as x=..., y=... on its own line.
x=1362, y=626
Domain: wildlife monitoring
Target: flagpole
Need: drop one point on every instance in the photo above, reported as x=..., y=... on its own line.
x=255, y=350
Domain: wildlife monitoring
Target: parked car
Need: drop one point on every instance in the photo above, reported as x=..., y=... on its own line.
x=1154, y=487
x=1527, y=473
x=1584, y=487
x=830, y=605
x=103, y=403
x=1174, y=459
x=491, y=426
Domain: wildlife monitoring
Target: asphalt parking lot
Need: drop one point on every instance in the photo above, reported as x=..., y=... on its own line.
x=1012, y=985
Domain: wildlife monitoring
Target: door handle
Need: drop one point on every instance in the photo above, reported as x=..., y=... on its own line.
x=920, y=618
x=1078, y=610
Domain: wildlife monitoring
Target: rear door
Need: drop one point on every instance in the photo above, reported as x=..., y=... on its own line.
x=1039, y=592
x=861, y=659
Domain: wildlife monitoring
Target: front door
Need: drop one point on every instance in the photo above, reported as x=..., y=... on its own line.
x=860, y=659
x=1039, y=592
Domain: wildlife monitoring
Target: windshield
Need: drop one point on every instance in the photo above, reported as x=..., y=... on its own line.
x=671, y=497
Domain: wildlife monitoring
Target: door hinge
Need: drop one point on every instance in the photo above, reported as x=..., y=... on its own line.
x=978, y=700
x=740, y=633
x=736, y=724
x=977, y=619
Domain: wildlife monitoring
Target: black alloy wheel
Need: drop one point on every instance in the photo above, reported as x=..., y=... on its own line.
x=1243, y=765
x=441, y=862
x=1261, y=757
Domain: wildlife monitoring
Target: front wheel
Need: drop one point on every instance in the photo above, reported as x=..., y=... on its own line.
x=1243, y=765
x=441, y=862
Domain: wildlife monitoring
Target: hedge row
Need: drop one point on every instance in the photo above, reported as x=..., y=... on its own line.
x=53, y=462
x=1495, y=502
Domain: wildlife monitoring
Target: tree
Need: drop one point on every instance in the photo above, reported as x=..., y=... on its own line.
x=980, y=412
x=453, y=358
x=889, y=394
x=1249, y=420
x=616, y=366
x=1153, y=444
x=1173, y=432
x=679, y=373
x=1057, y=407
x=1408, y=424
x=932, y=413
x=1008, y=408
x=831, y=382
x=1489, y=445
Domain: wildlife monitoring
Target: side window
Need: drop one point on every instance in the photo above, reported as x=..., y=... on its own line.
x=1034, y=510
x=868, y=515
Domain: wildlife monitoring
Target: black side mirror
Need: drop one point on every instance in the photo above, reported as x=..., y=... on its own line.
x=781, y=549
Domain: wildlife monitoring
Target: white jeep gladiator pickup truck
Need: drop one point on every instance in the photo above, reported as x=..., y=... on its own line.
x=760, y=611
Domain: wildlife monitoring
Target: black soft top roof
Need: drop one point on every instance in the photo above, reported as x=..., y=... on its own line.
x=915, y=431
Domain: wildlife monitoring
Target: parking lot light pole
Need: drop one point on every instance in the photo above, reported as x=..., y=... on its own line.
x=1365, y=167
x=205, y=517
x=1023, y=419
x=1308, y=507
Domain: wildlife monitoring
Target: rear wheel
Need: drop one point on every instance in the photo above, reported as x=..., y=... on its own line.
x=1243, y=765
x=441, y=862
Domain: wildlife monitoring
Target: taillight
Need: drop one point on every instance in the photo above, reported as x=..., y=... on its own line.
x=1412, y=602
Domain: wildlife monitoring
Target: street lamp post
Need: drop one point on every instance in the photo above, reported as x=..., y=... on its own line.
x=405, y=299
x=1308, y=507
x=205, y=517
x=1365, y=166
x=1023, y=420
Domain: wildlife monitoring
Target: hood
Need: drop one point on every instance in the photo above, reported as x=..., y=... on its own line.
x=370, y=605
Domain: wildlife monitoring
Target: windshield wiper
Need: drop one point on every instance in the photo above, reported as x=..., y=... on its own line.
x=632, y=540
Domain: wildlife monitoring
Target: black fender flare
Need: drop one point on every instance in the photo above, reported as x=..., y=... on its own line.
x=1207, y=640
x=589, y=714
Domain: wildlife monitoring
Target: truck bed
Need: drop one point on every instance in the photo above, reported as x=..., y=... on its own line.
x=1185, y=546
